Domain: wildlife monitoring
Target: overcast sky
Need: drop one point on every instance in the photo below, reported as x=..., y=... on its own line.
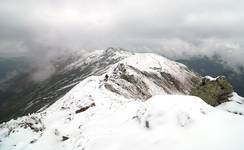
x=175, y=28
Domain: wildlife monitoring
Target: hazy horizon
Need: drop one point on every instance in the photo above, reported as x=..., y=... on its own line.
x=176, y=29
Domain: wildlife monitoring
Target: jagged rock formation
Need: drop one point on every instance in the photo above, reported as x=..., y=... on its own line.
x=157, y=76
x=133, y=83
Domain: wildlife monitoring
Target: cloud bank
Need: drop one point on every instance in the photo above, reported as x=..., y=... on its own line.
x=174, y=28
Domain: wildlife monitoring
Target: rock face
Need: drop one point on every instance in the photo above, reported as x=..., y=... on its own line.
x=137, y=79
x=213, y=91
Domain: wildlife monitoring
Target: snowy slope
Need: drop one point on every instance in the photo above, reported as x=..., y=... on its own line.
x=143, y=75
x=28, y=96
x=91, y=116
x=166, y=121
x=236, y=105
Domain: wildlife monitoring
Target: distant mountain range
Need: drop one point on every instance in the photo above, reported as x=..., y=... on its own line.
x=13, y=65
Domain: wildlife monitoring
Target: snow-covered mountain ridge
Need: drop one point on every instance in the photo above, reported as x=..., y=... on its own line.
x=141, y=76
x=28, y=96
x=109, y=111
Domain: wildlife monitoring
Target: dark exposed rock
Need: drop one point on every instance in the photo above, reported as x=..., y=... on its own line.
x=33, y=141
x=106, y=77
x=33, y=123
x=64, y=138
x=82, y=109
x=56, y=132
x=127, y=84
x=64, y=108
x=147, y=125
x=172, y=80
x=111, y=88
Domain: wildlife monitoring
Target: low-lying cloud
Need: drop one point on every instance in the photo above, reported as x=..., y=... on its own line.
x=178, y=29
x=228, y=50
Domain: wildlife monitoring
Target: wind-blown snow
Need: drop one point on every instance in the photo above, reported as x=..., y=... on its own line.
x=90, y=117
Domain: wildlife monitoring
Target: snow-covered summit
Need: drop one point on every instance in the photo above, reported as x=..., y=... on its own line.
x=107, y=110
x=143, y=75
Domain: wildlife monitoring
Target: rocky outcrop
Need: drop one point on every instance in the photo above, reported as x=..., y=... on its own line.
x=128, y=85
x=132, y=82
x=213, y=91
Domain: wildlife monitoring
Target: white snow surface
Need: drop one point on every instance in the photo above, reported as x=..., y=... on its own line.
x=113, y=122
x=211, y=78
x=86, y=58
x=151, y=62
x=236, y=105
x=116, y=123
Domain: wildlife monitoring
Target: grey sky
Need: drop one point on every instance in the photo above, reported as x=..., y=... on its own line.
x=175, y=28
